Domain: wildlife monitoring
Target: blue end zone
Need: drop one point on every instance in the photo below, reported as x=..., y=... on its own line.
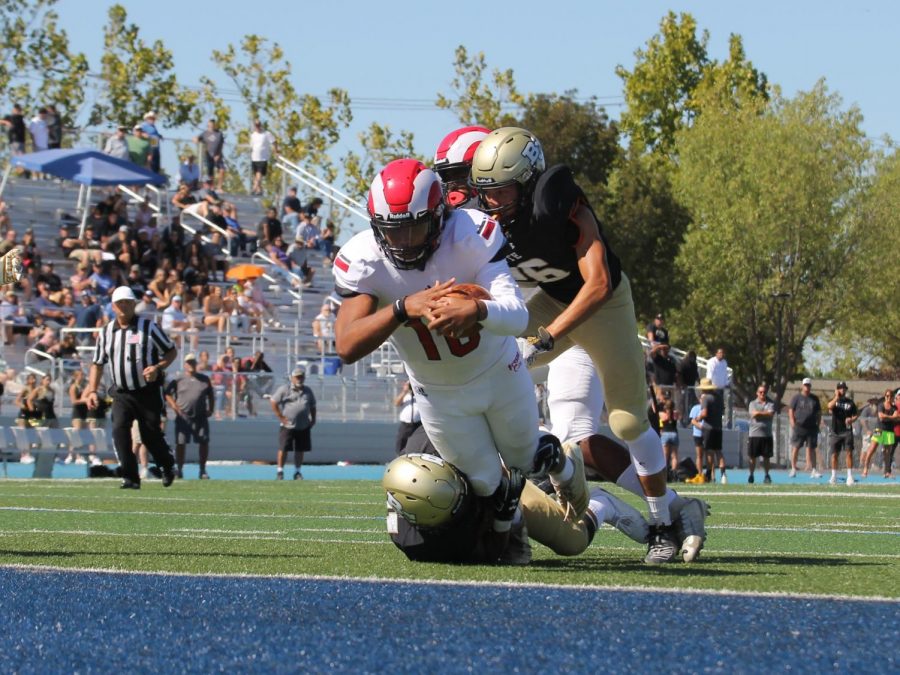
x=87, y=622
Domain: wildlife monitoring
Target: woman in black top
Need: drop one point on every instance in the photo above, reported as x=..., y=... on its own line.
x=26, y=414
x=668, y=426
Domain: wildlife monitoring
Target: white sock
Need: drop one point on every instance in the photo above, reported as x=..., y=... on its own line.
x=600, y=507
x=280, y=469
x=834, y=473
x=565, y=474
x=647, y=452
x=659, y=511
x=849, y=472
x=628, y=480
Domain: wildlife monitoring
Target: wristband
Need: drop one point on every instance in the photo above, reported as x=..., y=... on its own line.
x=482, y=310
x=400, y=310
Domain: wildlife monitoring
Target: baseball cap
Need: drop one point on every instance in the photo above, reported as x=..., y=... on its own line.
x=135, y=268
x=176, y=298
x=123, y=293
x=136, y=127
x=190, y=356
x=841, y=385
x=149, y=115
x=806, y=380
x=299, y=371
x=123, y=228
x=148, y=293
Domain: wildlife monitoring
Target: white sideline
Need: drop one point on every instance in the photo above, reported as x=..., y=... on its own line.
x=465, y=584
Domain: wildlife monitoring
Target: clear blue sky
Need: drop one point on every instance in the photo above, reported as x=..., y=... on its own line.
x=403, y=50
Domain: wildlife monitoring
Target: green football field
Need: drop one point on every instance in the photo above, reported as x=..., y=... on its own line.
x=783, y=539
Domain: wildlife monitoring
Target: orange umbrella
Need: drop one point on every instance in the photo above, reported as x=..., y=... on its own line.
x=245, y=271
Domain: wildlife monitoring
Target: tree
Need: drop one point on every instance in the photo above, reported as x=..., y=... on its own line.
x=36, y=65
x=775, y=194
x=136, y=78
x=662, y=91
x=578, y=134
x=380, y=146
x=646, y=224
x=306, y=127
x=476, y=102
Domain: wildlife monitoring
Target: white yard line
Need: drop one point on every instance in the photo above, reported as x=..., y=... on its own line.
x=466, y=584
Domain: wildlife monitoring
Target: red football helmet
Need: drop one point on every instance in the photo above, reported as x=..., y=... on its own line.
x=453, y=160
x=406, y=211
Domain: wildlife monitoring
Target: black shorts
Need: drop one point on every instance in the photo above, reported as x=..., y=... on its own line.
x=761, y=447
x=712, y=439
x=299, y=440
x=262, y=168
x=838, y=442
x=803, y=437
x=191, y=431
x=212, y=164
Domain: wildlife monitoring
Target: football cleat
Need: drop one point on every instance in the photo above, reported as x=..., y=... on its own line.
x=662, y=546
x=767, y=480
x=851, y=480
x=832, y=480
x=622, y=516
x=573, y=493
x=689, y=520
x=792, y=473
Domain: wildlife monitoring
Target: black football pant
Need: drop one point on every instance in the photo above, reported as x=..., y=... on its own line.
x=145, y=406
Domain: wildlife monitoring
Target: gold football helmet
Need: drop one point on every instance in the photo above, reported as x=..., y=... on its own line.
x=424, y=489
x=508, y=156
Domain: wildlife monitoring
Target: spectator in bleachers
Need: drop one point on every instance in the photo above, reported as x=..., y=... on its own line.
x=144, y=215
x=54, y=128
x=213, y=144
x=291, y=201
x=89, y=315
x=8, y=243
x=312, y=209
x=102, y=281
x=259, y=383
x=135, y=280
x=49, y=277
x=221, y=382
x=214, y=251
x=269, y=228
x=262, y=145
x=15, y=126
x=323, y=329
x=31, y=255
x=139, y=148
x=240, y=237
x=15, y=319
x=173, y=318
x=42, y=401
x=5, y=222
x=117, y=144
x=283, y=265
x=155, y=138
x=183, y=197
x=208, y=194
x=250, y=309
x=203, y=361
x=326, y=241
x=39, y=131
x=291, y=221
x=310, y=232
x=48, y=310
x=214, y=309
x=189, y=171
x=146, y=306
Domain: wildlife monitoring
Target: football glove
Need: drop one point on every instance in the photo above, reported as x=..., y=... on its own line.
x=536, y=345
x=506, y=499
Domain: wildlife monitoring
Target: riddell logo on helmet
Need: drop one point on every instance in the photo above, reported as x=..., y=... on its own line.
x=406, y=215
x=484, y=179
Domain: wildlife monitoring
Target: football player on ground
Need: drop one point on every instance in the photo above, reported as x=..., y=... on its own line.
x=575, y=400
x=433, y=515
x=583, y=297
x=475, y=396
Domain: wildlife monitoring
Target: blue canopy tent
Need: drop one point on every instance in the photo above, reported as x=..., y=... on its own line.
x=87, y=167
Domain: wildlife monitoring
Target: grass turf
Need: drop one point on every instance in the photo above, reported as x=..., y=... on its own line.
x=820, y=540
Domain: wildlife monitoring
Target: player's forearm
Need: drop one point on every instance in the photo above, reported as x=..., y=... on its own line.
x=94, y=377
x=586, y=302
x=364, y=335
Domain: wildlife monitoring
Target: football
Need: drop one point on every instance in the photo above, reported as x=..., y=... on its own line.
x=471, y=292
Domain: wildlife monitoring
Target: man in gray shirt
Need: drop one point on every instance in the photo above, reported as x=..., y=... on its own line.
x=295, y=407
x=762, y=413
x=805, y=413
x=213, y=144
x=191, y=397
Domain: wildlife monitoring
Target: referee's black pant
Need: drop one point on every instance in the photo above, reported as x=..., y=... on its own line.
x=145, y=406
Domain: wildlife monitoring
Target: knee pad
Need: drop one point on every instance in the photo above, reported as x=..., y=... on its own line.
x=548, y=454
x=626, y=425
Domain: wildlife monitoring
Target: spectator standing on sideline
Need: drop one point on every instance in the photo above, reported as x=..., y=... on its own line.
x=665, y=372
x=688, y=378
x=323, y=330
x=138, y=352
x=843, y=414
x=410, y=420
x=712, y=410
x=668, y=434
x=15, y=129
x=192, y=399
x=697, y=434
x=887, y=418
x=262, y=145
x=761, y=443
x=295, y=407
x=717, y=370
x=54, y=128
x=117, y=145
x=805, y=413
x=155, y=138
x=214, y=145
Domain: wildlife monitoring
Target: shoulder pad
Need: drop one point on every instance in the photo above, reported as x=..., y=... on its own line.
x=555, y=195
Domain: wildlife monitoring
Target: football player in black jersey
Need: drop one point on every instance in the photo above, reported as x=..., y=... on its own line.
x=556, y=243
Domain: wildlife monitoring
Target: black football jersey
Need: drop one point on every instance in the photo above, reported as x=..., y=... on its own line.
x=542, y=247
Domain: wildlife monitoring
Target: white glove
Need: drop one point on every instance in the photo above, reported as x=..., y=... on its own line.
x=536, y=345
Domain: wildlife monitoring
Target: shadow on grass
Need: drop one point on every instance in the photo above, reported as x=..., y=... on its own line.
x=146, y=554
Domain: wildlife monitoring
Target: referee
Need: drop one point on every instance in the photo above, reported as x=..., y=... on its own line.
x=137, y=350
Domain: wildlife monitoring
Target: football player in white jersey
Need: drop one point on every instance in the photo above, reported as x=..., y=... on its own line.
x=475, y=395
x=575, y=399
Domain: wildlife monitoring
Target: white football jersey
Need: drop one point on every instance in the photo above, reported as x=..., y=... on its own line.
x=471, y=251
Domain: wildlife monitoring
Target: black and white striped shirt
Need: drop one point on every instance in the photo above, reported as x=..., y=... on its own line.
x=129, y=350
